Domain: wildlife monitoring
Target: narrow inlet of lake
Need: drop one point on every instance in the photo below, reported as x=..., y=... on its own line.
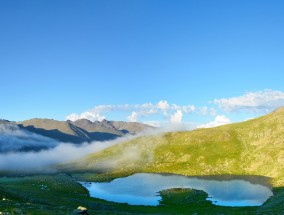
x=144, y=188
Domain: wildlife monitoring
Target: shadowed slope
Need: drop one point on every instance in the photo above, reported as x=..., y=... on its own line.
x=81, y=130
x=60, y=130
x=98, y=130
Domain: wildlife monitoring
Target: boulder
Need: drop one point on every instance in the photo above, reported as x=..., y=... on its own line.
x=81, y=210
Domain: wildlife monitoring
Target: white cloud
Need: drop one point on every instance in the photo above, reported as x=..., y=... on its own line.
x=133, y=117
x=177, y=117
x=13, y=138
x=156, y=124
x=213, y=112
x=171, y=112
x=203, y=110
x=206, y=110
x=188, y=109
x=163, y=105
x=93, y=116
x=259, y=101
x=73, y=117
x=219, y=120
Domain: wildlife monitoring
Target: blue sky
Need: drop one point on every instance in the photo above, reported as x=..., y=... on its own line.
x=63, y=57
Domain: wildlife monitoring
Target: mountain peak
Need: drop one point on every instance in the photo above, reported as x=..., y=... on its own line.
x=84, y=120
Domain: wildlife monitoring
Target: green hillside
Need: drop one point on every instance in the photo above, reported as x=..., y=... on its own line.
x=254, y=147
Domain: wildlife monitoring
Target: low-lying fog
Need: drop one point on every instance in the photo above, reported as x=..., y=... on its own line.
x=24, y=151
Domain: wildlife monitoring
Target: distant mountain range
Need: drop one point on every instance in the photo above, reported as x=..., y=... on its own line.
x=79, y=131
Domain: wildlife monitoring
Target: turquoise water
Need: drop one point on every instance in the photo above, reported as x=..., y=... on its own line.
x=143, y=189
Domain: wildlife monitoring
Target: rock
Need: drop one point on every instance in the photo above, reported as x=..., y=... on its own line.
x=81, y=210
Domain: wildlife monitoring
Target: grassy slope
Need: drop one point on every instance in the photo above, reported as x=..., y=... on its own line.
x=254, y=147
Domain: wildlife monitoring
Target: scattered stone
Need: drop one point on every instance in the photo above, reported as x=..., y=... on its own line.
x=81, y=210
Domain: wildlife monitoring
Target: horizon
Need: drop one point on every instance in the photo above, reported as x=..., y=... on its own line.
x=169, y=126
x=201, y=64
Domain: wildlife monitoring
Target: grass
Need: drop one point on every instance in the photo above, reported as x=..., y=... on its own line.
x=61, y=194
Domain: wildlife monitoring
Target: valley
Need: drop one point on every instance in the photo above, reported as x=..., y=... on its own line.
x=247, y=149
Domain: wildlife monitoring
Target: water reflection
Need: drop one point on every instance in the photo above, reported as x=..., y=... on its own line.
x=143, y=188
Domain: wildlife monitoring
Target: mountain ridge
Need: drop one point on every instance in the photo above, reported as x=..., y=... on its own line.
x=79, y=131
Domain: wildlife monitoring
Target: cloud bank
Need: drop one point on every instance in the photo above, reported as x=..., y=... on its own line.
x=163, y=112
x=172, y=112
x=259, y=101
x=12, y=138
x=14, y=160
x=218, y=121
x=42, y=161
x=177, y=117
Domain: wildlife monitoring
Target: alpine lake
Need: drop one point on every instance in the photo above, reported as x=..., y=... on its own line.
x=145, y=188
